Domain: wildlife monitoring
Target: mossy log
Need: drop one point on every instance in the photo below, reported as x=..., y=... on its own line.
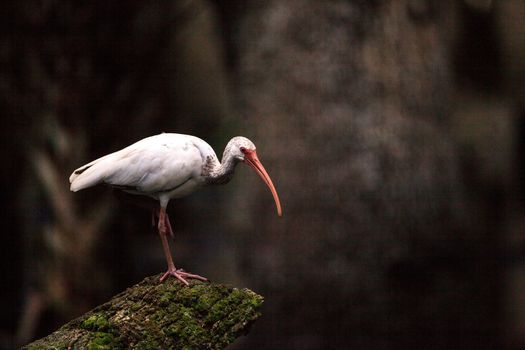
x=167, y=315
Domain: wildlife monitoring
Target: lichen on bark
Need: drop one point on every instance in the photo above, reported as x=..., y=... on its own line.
x=168, y=315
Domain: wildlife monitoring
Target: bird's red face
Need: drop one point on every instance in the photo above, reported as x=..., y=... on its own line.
x=250, y=158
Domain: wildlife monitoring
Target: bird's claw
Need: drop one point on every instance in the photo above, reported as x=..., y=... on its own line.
x=181, y=275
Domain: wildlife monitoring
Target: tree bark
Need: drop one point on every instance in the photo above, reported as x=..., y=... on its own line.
x=168, y=315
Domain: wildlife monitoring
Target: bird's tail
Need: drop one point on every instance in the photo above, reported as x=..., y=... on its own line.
x=87, y=175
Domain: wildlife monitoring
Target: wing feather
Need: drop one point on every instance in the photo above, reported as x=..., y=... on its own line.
x=154, y=164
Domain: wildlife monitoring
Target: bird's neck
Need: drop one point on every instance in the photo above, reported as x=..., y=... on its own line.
x=216, y=173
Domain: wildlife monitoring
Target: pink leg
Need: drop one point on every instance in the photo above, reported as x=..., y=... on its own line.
x=155, y=214
x=164, y=230
x=168, y=225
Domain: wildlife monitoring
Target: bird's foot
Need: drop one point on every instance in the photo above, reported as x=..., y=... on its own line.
x=181, y=275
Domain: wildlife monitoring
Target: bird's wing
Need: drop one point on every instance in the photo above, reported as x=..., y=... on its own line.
x=155, y=164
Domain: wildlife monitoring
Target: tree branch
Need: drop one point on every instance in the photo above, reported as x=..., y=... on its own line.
x=168, y=315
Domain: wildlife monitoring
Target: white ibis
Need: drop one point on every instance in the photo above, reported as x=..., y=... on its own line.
x=170, y=166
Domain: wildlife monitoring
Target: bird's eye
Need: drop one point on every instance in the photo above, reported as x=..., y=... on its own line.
x=243, y=149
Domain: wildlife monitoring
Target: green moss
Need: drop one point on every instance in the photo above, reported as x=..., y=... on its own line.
x=136, y=307
x=96, y=322
x=223, y=307
x=188, y=296
x=165, y=298
x=104, y=341
x=182, y=322
x=167, y=315
x=255, y=300
x=206, y=300
x=102, y=333
x=181, y=330
x=147, y=344
x=227, y=313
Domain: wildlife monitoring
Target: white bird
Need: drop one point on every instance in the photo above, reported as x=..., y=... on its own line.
x=168, y=166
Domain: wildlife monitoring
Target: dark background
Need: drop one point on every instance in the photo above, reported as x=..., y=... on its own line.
x=393, y=130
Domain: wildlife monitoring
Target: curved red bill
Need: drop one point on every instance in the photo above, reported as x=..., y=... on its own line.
x=250, y=157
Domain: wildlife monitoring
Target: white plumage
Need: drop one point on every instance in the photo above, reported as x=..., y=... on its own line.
x=169, y=166
x=152, y=165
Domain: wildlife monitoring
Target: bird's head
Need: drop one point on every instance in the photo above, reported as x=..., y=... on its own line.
x=238, y=146
x=243, y=150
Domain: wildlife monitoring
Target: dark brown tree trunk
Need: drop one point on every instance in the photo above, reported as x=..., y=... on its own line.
x=348, y=102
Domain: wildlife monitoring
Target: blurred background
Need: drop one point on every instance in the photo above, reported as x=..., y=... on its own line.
x=394, y=131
